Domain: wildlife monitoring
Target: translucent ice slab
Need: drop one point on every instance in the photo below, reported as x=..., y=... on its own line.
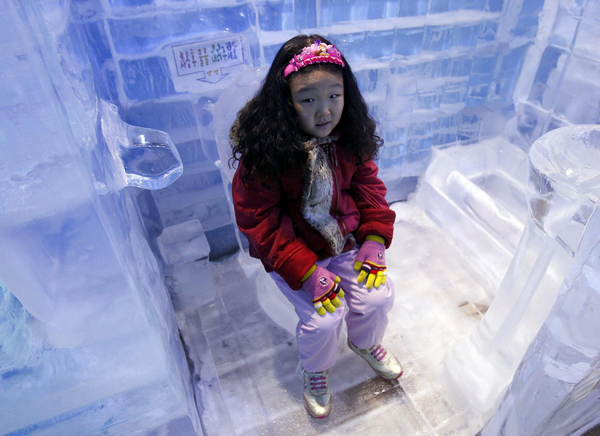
x=561, y=368
x=233, y=99
x=562, y=194
x=185, y=250
x=477, y=192
x=88, y=340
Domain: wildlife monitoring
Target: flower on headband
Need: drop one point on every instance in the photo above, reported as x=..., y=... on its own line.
x=316, y=52
x=321, y=50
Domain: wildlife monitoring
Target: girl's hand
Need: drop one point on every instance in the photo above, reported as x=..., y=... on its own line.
x=370, y=261
x=324, y=289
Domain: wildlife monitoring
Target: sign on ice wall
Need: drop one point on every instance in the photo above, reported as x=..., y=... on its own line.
x=205, y=64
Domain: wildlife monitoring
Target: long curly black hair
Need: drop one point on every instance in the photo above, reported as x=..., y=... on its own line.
x=266, y=138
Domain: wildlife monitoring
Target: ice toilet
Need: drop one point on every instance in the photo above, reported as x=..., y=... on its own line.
x=272, y=301
x=541, y=327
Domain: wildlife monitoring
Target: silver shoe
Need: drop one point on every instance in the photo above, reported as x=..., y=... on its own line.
x=317, y=397
x=382, y=361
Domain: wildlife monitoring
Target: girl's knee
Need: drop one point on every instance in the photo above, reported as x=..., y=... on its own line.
x=375, y=300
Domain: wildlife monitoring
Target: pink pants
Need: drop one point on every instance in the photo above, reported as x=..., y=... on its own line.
x=366, y=319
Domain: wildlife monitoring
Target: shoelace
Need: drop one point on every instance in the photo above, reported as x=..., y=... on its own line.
x=378, y=353
x=318, y=382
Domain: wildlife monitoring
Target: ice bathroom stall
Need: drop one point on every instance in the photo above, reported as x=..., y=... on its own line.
x=128, y=303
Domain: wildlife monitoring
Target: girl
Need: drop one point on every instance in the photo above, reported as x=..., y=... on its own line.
x=307, y=197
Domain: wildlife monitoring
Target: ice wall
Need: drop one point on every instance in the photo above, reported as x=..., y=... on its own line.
x=559, y=85
x=560, y=373
x=434, y=73
x=88, y=342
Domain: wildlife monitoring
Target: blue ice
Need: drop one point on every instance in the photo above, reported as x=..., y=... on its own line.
x=114, y=193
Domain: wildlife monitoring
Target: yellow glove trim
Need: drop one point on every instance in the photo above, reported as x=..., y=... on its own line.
x=309, y=273
x=370, y=280
x=362, y=276
x=375, y=238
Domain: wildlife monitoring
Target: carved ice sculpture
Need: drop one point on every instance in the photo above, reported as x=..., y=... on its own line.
x=560, y=373
x=563, y=191
x=89, y=344
x=233, y=99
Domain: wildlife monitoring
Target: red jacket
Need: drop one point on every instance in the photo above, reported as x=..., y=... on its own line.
x=279, y=235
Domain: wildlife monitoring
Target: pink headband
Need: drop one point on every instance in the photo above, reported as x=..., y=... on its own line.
x=317, y=52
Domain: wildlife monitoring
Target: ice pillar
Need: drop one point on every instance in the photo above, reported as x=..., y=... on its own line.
x=562, y=195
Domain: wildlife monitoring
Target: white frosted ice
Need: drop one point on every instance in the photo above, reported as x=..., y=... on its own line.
x=225, y=112
x=184, y=242
x=477, y=192
x=561, y=367
x=185, y=250
x=551, y=256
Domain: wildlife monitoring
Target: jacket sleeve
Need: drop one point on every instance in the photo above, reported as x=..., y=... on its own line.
x=269, y=230
x=368, y=192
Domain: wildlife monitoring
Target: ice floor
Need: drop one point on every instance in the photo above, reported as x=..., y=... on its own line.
x=247, y=364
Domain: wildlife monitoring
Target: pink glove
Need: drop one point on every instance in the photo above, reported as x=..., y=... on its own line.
x=324, y=289
x=370, y=261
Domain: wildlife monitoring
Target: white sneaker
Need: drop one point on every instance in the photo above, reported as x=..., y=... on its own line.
x=317, y=397
x=382, y=361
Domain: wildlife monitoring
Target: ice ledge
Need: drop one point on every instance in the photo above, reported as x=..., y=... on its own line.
x=142, y=157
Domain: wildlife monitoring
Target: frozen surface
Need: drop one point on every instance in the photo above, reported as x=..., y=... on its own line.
x=477, y=192
x=247, y=363
x=562, y=365
x=185, y=250
x=562, y=193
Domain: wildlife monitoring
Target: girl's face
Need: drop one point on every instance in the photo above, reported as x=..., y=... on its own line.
x=318, y=97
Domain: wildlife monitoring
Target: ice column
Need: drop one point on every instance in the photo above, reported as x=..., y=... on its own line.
x=562, y=194
x=560, y=373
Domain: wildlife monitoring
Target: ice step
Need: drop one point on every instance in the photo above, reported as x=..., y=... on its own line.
x=484, y=251
x=484, y=210
x=486, y=224
x=185, y=250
